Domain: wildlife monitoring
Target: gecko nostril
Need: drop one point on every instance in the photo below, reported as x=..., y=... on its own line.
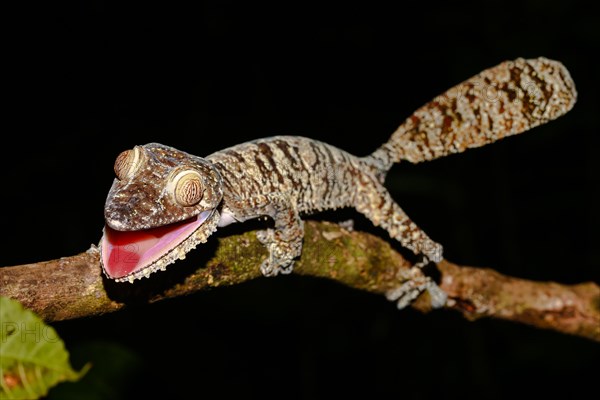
x=133, y=201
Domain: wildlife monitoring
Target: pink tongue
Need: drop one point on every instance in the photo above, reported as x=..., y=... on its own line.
x=126, y=252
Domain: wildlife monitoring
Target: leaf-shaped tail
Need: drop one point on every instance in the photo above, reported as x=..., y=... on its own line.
x=505, y=100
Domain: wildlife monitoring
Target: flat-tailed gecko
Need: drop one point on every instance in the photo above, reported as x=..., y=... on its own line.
x=164, y=202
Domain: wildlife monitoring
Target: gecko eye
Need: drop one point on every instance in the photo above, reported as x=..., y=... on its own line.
x=188, y=188
x=128, y=162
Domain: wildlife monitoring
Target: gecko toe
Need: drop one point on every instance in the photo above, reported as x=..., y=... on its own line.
x=273, y=268
x=265, y=236
x=267, y=269
x=437, y=295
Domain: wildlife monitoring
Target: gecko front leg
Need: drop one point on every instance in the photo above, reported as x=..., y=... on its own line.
x=284, y=240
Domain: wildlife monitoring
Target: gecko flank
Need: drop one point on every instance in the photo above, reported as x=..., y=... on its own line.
x=164, y=202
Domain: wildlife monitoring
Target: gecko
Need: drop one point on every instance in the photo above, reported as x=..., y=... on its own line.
x=164, y=202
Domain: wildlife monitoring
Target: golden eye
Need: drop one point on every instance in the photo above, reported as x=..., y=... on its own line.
x=188, y=188
x=128, y=162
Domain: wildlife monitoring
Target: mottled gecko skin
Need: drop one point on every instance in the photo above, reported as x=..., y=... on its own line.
x=284, y=177
x=505, y=100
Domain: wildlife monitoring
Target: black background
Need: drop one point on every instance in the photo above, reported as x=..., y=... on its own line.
x=88, y=80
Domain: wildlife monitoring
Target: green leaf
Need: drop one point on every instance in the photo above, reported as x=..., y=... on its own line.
x=118, y=372
x=32, y=356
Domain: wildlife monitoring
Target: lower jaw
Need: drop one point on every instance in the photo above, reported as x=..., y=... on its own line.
x=119, y=270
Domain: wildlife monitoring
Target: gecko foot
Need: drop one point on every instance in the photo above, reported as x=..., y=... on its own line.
x=412, y=288
x=281, y=253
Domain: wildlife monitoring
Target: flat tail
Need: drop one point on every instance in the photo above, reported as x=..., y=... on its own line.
x=501, y=101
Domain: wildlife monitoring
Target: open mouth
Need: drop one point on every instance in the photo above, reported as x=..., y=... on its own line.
x=127, y=255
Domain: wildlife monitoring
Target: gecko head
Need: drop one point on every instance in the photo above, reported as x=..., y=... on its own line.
x=163, y=202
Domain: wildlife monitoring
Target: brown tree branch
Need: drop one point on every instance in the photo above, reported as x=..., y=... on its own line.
x=73, y=287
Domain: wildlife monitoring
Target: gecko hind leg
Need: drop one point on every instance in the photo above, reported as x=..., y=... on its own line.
x=375, y=202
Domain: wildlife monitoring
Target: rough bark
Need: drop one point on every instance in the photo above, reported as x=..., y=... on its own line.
x=73, y=287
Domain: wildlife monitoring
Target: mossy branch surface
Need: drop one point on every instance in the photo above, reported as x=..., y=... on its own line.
x=74, y=287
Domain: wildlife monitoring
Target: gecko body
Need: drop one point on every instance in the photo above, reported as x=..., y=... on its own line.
x=164, y=201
